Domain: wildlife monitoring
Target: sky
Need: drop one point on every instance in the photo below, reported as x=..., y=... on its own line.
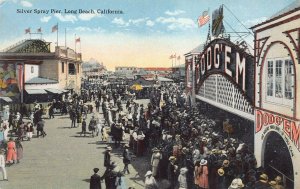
x=141, y=33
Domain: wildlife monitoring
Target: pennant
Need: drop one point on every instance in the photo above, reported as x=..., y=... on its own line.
x=27, y=30
x=77, y=40
x=39, y=30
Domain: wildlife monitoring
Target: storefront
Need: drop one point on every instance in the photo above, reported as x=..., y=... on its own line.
x=221, y=79
x=277, y=125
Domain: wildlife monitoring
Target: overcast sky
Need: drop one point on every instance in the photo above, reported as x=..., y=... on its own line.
x=146, y=32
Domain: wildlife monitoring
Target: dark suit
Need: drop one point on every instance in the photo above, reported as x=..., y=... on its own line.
x=106, y=159
x=95, y=182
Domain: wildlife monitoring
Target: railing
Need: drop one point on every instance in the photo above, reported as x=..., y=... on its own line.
x=18, y=43
x=285, y=179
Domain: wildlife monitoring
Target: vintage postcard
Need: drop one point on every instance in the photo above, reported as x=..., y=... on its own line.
x=149, y=94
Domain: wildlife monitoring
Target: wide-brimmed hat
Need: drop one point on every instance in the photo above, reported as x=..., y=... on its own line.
x=240, y=183
x=264, y=177
x=221, y=172
x=273, y=183
x=234, y=184
x=226, y=163
x=278, y=179
x=126, y=145
x=96, y=170
x=113, y=164
x=183, y=170
x=172, y=158
x=108, y=148
x=148, y=173
x=203, y=162
x=204, y=139
x=155, y=149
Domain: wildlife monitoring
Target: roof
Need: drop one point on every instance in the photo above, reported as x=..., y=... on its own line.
x=288, y=9
x=198, y=49
x=157, y=69
x=40, y=80
x=36, y=91
x=6, y=99
x=164, y=79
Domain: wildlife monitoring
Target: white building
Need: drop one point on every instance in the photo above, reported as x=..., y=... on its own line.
x=277, y=94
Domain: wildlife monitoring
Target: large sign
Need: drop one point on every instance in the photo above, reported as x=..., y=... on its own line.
x=9, y=81
x=287, y=128
x=222, y=56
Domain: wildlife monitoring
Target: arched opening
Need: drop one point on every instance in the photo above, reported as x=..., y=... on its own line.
x=277, y=159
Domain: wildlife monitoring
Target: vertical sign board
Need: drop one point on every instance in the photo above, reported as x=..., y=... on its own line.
x=287, y=128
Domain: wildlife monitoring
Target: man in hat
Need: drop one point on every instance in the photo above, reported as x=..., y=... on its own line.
x=110, y=176
x=95, y=181
x=126, y=158
x=2, y=165
x=262, y=183
x=107, y=157
x=171, y=171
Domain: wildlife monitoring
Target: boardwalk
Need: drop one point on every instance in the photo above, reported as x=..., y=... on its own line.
x=64, y=160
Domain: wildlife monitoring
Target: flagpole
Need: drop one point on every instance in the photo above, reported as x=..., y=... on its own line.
x=65, y=37
x=75, y=42
x=80, y=45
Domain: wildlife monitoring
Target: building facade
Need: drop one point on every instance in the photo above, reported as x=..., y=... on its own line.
x=277, y=60
x=30, y=65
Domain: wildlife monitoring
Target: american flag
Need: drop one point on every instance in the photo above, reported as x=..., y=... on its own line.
x=39, y=30
x=203, y=19
x=55, y=28
x=27, y=30
x=172, y=56
x=77, y=40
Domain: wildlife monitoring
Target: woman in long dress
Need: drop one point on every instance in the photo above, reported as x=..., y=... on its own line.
x=11, y=151
x=19, y=148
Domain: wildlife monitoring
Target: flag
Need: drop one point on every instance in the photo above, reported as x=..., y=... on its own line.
x=77, y=40
x=39, y=30
x=203, y=19
x=178, y=57
x=172, y=56
x=19, y=76
x=55, y=28
x=27, y=30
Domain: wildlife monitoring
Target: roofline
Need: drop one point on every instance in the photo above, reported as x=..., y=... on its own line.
x=275, y=18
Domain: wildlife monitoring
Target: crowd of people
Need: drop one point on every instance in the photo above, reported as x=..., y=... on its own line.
x=187, y=148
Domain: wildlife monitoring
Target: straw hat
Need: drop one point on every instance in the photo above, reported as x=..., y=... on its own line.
x=108, y=148
x=264, y=177
x=273, y=183
x=234, y=184
x=155, y=149
x=240, y=183
x=221, y=172
x=172, y=158
x=278, y=179
x=148, y=173
x=203, y=162
x=225, y=163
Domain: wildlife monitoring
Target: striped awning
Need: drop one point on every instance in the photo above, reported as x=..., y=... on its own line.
x=36, y=91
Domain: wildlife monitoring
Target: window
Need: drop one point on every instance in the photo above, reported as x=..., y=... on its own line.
x=63, y=67
x=270, y=79
x=32, y=69
x=280, y=81
x=72, y=69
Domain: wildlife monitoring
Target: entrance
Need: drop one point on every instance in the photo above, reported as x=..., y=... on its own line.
x=277, y=159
